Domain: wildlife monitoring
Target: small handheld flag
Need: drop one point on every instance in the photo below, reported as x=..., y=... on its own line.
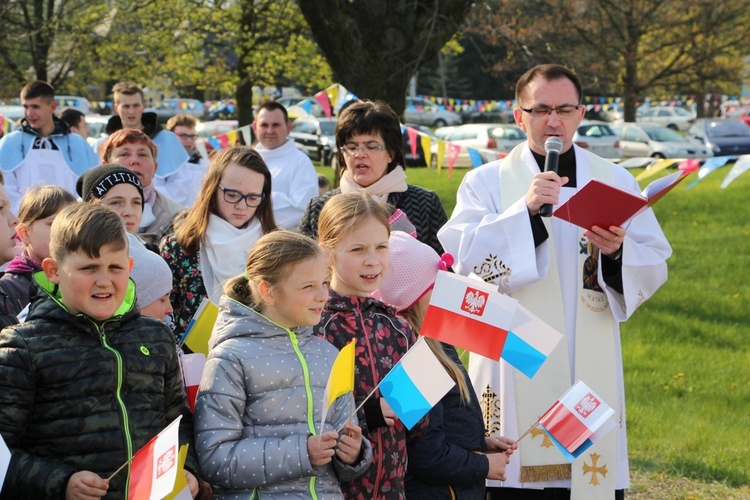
x=416, y=384
x=341, y=379
x=153, y=471
x=469, y=314
x=577, y=420
x=529, y=343
x=200, y=327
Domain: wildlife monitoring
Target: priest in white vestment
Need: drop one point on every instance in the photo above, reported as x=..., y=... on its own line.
x=582, y=282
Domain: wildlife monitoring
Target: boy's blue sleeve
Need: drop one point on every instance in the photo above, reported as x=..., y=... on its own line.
x=28, y=476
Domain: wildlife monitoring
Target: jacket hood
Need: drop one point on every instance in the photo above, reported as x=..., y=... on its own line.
x=342, y=303
x=61, y=128
x=149, y=121
x=238, y=320
x=46, y=289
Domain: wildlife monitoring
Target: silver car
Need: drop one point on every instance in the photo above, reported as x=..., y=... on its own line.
x=598, y=138
x=425, y=112
x=658, y=142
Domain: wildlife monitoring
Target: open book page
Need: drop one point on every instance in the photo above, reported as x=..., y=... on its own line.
x=661, y=183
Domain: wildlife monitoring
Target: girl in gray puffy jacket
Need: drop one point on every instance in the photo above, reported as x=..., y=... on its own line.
x=260, y=402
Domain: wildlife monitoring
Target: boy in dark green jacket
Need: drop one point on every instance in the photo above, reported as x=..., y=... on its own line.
x=86, y=381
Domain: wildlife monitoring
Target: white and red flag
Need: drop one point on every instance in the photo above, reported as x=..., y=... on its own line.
x=469, y=314
x=154, y=468
x=192, y=370
x=575, y=418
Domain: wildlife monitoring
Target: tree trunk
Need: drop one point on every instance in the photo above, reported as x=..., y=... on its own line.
x=244, y=95
x=375, y=46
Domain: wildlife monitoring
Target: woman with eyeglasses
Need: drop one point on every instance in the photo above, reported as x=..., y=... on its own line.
x=211, y=239
x=370, y=145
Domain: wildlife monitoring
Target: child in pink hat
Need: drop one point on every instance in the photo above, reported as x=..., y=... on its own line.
x=451, y=458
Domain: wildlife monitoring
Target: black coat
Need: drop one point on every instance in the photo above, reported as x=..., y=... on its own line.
x=76, y=394
x=423, y=208
x=446, y=459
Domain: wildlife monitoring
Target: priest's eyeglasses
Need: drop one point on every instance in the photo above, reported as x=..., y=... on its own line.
x=564, y=111
x=233, y=196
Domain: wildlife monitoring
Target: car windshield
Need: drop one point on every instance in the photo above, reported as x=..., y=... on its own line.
x=328, y=128
x=663, y=134
x=682, y=111
x=727, y=128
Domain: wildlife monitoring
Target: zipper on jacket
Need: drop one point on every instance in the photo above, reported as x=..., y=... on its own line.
x=118, y=393
x=308, y=391
x=375, y=381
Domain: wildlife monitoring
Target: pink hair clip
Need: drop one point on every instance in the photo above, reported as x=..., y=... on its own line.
x=446, y=261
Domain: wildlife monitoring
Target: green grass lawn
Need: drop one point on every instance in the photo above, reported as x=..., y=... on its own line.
x=686, y=356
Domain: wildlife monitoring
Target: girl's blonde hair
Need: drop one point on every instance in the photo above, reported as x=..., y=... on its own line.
x=415, y=318
x=191, y=225
x=41, y=202
x=344, y=212
x=271, y=260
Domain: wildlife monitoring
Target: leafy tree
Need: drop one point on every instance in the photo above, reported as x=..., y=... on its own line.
x=374, y=47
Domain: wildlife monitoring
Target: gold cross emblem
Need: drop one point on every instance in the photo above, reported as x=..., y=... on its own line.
x=546, y=442
x=594, y=470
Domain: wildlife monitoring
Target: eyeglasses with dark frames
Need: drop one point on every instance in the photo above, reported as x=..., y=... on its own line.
x=564, y=111
x=233, y=196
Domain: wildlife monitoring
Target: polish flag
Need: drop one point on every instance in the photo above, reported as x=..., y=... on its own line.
x=577, y=415
x=154, y=468
x=470, y=314
x=192, y=371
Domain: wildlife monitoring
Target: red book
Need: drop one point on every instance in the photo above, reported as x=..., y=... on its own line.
x=600, y=204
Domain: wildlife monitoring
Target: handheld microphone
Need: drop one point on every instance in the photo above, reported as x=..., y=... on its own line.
x=553, y=147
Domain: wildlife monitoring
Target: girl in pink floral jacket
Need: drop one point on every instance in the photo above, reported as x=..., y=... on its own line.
x=353, y=229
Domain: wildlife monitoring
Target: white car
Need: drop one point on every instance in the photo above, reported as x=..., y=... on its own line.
x=672, y=117
x=491, y=140
x=425, y=112
x=598, y=138
x=658, y=142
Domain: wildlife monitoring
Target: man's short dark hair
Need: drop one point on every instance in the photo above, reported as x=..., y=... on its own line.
x=32, y=90
x=548, y=72
x=273, y=106
x=71, y=116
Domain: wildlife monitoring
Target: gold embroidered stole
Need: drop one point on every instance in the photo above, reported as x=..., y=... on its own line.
x=594, y=353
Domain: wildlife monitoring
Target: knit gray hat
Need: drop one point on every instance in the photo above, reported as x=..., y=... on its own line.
x=151, y=274
x=96, y=182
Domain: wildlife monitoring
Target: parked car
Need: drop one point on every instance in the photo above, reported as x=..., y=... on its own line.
x=442, y=132
x=76, y=102
x=12, y=112
x=672, y=117
x=487, y=138
x=96, y=125
x=171, y=107
x=741, y=112
x=598, y=138
x=658, y=142
x=317, y=136
x=727, y=136
x=425, y=112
